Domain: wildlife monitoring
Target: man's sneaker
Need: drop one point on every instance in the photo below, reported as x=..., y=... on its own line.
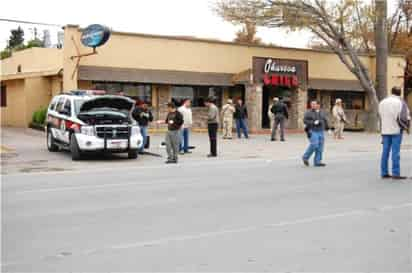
x=171, y=161
x=283, y=140
x=386, y=176
x=188, y=152
x=320, y=165
x=306, y=162
x=210, y=155
x=182, y=153
x=399, y=177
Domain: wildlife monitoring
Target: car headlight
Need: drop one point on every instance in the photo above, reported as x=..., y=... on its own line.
x=135, y=130
x=87, y=130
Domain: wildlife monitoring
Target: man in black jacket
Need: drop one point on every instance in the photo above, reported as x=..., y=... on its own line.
x=241, y=116
x=280, y=111
x=315, y=123
x=143, y=116
x=174, y=121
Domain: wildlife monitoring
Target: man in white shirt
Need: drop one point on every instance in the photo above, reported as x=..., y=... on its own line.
x=186, y=112
x=393, y=116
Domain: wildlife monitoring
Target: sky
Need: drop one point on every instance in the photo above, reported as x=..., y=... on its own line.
x=164, y=17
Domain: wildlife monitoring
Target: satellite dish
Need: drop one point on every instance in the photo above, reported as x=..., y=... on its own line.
x=95, y=35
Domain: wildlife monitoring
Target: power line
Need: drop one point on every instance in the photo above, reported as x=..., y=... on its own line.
x=28, y=22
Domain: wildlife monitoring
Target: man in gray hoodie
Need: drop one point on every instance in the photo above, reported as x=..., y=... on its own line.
x=212, y=125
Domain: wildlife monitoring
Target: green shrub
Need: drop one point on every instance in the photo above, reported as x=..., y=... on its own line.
x=39, y=116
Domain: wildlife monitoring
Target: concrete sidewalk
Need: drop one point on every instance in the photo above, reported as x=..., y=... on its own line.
x=29, y=152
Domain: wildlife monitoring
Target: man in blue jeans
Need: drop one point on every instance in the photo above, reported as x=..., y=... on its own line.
x=315, y=124
x=241, y=116
x=395, y=118
x=186, y=112
x=143, y=116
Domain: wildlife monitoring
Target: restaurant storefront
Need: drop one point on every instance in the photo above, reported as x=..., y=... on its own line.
x=159, y=69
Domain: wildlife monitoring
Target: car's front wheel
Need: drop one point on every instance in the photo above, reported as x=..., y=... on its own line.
x=133, y=154
x=51, y=145
x=74, y=148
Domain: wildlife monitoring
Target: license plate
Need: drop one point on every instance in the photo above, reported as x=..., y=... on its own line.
x=115, y=144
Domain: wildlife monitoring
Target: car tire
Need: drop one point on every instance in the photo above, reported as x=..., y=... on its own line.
x=51, y=145
x=133, y=154
x=74, y=148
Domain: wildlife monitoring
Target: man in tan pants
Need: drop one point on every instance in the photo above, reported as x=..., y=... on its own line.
x=339, y=118
x=227, y=115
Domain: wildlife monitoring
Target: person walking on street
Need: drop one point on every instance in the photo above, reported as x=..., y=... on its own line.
x=143, y=116
x=280, y=111
x=339, y=119
x=186, y=112
x=212, y=125
x=315, y=124
x=227, y=116
x=241, y=116
x=395, y=118
x=174, y=121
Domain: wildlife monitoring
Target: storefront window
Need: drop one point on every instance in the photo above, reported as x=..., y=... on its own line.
x=136, y=91
x=351, y=100
x=197, y=94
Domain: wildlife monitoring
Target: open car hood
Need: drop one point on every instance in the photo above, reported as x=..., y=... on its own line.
x=107, y=102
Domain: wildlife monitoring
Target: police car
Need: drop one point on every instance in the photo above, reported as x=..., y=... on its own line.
x=88, y=121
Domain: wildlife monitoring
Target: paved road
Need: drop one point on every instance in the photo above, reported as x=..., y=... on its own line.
x=255, y=208
x=219, y=215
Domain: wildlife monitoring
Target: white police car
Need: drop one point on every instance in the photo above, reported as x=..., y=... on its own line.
x=87, y=121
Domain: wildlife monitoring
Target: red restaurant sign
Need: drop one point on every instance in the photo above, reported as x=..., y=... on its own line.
x=280, y=72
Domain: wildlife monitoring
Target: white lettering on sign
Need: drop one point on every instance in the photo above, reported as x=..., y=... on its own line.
x=271, y=66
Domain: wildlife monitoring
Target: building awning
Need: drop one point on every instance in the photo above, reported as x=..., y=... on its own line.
x=335, y=85
x=24, y=75
x=113, y=74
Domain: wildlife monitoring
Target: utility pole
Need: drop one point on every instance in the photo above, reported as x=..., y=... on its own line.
x=381, y=44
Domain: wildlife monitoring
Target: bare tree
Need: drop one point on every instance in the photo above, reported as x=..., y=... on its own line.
x=329, y=21
x=381, y=44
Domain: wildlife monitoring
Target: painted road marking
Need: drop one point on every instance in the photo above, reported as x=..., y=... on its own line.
x=308, y=220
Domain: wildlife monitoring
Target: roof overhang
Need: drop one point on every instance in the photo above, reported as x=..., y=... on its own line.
x=335, y=85
x=114, y=74
x=24, y=75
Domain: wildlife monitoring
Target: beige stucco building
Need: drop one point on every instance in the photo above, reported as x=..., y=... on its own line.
x=158, y=69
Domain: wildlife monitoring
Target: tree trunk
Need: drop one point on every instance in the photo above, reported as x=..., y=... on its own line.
x=381, y=44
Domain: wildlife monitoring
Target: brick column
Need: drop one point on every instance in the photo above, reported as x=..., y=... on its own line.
x=253, y=100
x=302, y=100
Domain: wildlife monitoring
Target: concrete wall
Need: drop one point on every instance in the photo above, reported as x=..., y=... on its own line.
x=33, y=60
x=38, y=93
x=153, y=52
x=15, y=112
x=26, y=96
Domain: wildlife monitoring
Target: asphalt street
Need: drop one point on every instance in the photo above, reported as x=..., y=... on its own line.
x=255, y=208
x=227, y=215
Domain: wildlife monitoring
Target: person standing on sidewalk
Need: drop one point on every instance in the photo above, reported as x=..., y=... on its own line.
x=174, y=121
x=143, y=116
x=212, y=125
x=395, y=118
x=241, y=116
x=186, y=112
x=227, y=116
x=280, y=112
x=339, y=119
x=315, y=124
